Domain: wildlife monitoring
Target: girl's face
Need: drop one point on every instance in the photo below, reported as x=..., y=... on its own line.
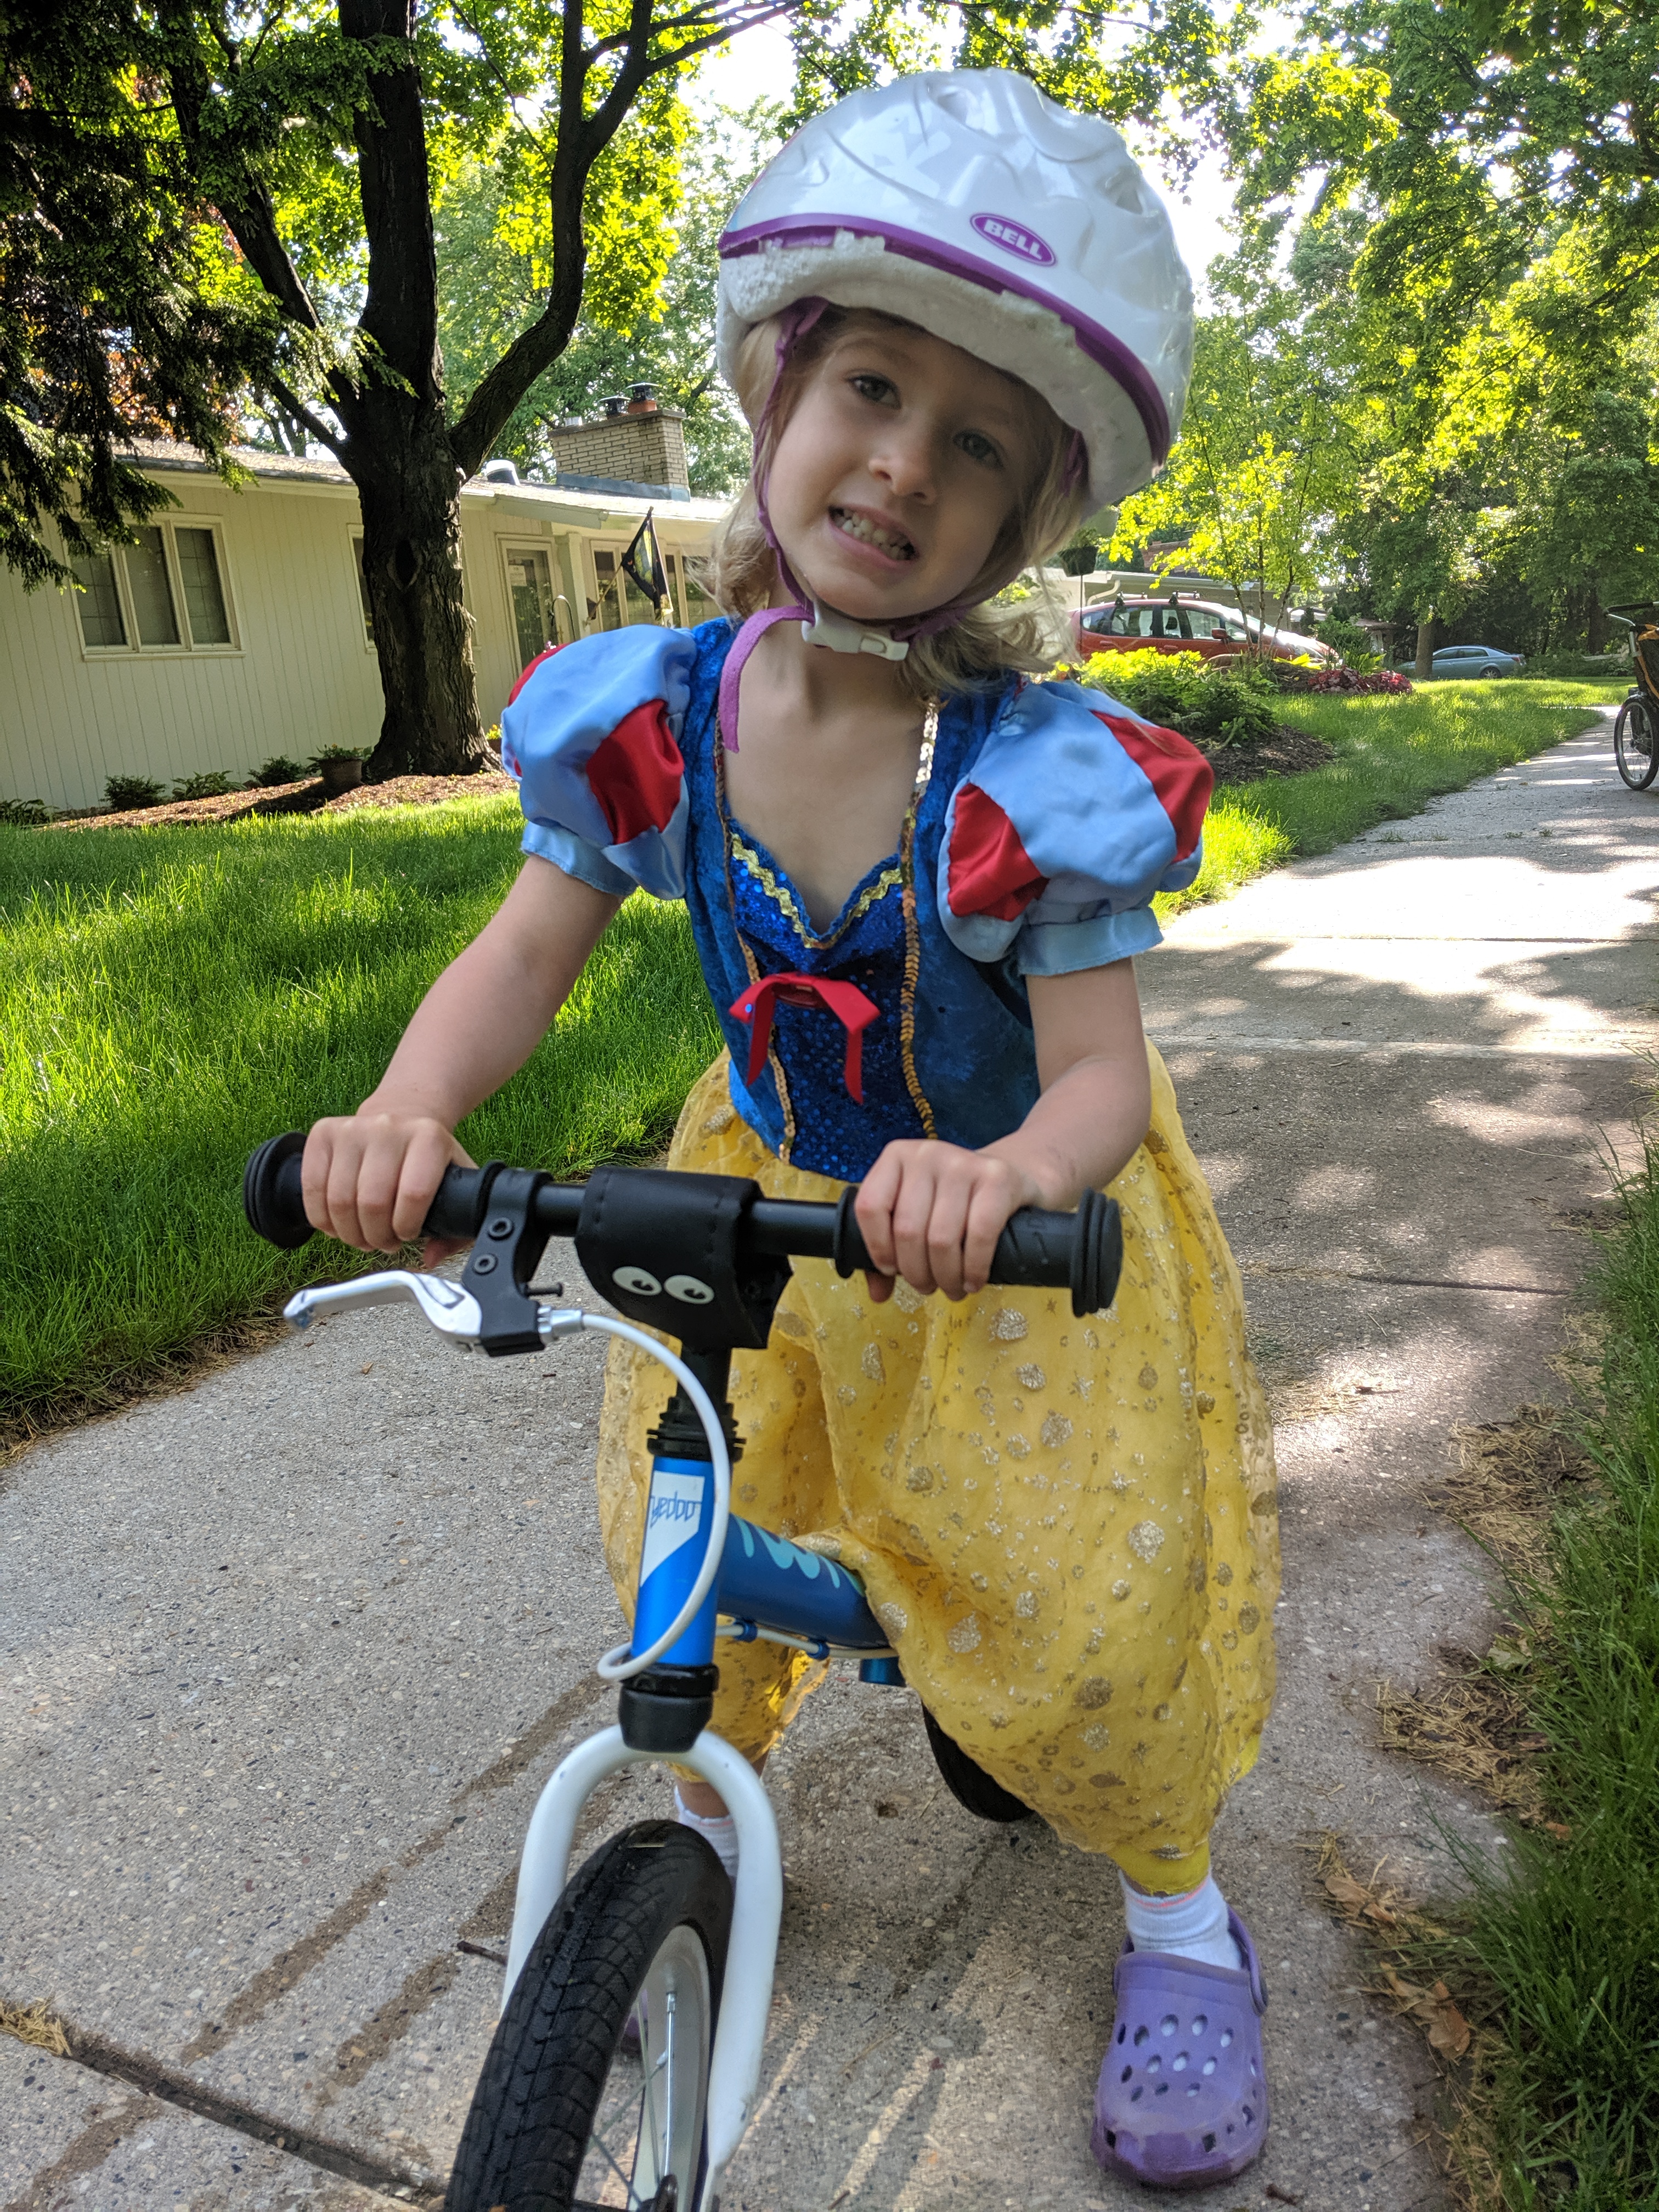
x=895, y=472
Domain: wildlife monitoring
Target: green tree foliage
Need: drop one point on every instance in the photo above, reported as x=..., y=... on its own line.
x=488, y=264
x=119, y=313
x=1265, y=465
x=1500, y=162
x=319, y=137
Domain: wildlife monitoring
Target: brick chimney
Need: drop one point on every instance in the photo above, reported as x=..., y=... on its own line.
x=634, y=440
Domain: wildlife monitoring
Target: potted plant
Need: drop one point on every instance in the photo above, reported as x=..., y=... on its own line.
x=341, y=767
x=1077, y=558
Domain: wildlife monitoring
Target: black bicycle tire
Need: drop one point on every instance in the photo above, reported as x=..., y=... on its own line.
x=1626, y=714
x=968, y=1783
x=527, y=2131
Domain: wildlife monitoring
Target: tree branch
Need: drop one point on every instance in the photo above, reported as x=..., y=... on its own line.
x=582, y=138
x=744, y=15
x=313, y=425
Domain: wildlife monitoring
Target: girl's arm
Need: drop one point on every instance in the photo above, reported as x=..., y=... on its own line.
x=933, y=1212
x=369, y=1177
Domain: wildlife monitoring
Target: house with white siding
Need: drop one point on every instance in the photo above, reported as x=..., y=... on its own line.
x=237, y=627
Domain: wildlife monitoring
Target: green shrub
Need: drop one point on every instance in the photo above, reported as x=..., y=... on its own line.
x=341, y=752
x=1184, y=692
x=212, y=783
x=279, y=768
x=1350, y=641
x=23, y=813
x=1585, y=666
x=125, y=792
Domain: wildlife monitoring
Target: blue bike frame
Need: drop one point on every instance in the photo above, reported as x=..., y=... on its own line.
x=765, y=1583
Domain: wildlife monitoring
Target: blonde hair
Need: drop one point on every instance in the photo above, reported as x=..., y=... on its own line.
x=989, y=639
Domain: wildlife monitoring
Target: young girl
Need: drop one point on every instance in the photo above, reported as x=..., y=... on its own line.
x=955, y=315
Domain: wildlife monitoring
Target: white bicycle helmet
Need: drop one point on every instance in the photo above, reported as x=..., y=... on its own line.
x=969, y=203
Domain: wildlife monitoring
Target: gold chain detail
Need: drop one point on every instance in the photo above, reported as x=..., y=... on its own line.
x=912, y=927
x=783, y=898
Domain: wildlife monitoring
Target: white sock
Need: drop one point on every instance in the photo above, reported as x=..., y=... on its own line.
x=1193, y=1924
x=720, y=1829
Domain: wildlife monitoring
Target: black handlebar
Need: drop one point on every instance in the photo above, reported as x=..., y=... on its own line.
x=1082, y=1252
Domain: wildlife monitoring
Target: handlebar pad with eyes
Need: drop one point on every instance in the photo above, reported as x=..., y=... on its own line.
x=1082, y=1251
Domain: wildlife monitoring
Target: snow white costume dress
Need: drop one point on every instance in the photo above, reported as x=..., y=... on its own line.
x=1068, y=1528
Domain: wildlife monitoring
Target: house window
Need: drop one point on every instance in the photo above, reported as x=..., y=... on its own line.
x=620, y=602
x=164, y=593
x=697, y=604
x=101, y=621
x=152, y=590
x=204, y=596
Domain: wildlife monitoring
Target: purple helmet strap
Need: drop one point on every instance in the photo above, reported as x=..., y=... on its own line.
x=793, y=324
x=748, y=637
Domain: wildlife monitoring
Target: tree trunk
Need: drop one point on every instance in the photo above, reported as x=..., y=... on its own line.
x=1595, y=627
x=400, y=460
x=398, y=449
x=1428, y=637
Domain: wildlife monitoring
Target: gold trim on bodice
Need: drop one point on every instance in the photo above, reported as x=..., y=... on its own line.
x=898, y=874
x=913, y=928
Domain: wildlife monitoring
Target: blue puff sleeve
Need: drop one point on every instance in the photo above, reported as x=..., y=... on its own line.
x=591, y=736
x=1073, y=816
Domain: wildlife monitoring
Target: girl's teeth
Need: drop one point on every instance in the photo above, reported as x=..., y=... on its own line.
x=882, y=540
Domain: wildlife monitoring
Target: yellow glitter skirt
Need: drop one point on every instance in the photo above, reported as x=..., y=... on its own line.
x=1068, y=1528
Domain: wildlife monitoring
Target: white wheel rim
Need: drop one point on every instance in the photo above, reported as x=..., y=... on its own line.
x=650, y=2116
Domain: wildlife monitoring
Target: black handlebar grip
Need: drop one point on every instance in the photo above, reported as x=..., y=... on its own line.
x=1035, y=1250
x=274, y=1202
x=1082, y=1252
x=457, y=1205
x=271, y=1197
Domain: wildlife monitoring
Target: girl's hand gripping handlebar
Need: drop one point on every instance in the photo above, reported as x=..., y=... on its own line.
x=1082, y=1252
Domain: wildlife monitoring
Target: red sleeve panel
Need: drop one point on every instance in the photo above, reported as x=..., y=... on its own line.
x=991, y=871
x=1177, y=770
x=637, y=773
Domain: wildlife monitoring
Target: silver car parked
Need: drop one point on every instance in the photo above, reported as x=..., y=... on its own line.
x=1476, y=660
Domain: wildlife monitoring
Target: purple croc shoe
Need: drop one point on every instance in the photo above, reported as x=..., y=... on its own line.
x=1182, y=2097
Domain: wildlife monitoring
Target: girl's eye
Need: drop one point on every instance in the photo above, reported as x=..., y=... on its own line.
x=871, y=386
x=979, y=447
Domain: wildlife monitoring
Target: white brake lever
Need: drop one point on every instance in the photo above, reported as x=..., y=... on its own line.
x=451, y=1311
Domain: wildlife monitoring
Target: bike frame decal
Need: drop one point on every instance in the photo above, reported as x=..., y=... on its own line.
x=673, y=1517
x=677, y=1515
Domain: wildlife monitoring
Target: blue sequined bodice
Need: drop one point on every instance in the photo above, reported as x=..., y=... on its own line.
x=950, y=1054
x=865, y=946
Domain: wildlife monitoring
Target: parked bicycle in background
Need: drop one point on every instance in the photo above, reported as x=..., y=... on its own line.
x=1637, y=726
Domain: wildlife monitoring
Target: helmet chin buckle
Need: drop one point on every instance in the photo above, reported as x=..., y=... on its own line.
x=837, y=635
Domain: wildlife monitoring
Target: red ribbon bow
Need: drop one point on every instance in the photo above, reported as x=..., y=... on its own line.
x=855, y=1012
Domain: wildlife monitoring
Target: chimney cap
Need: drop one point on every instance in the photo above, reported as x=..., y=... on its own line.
x=615, y=403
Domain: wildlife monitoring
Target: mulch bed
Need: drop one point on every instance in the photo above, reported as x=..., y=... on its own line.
x=1287, y=752
x=304, y=798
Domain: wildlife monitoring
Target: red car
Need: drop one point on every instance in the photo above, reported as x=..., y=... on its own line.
x=1178, y=625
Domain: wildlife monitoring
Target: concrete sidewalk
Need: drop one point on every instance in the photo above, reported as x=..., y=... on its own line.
x=290, y=1655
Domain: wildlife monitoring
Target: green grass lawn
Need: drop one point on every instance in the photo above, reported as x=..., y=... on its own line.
x=1394, y=753
x=1557, y=1954
x=168, y=998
